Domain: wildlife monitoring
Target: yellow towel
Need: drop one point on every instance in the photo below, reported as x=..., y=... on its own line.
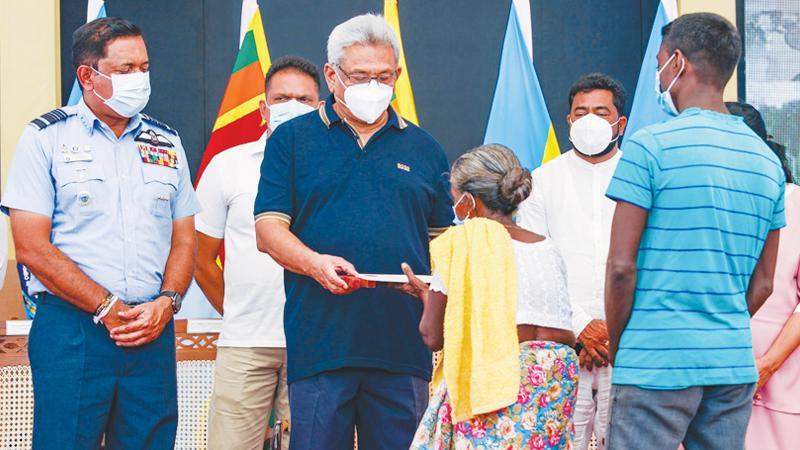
x=480, y=358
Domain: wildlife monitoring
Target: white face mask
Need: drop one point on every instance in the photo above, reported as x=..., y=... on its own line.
x=367, y=101
x=592, y=135
x=664, y=98
x=131, y=91
x=286, y=111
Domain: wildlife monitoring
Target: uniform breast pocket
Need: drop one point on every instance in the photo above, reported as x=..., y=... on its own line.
x=81, y=186
x=160, y=184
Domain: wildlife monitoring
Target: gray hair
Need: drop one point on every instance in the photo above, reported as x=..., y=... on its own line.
x=493, y=174
x=366, y=29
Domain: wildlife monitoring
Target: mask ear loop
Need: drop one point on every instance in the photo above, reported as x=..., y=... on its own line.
x=472, y=199
x=678, y=75
x=94, y=91
x=460, y=199
x=618, y=133
x=336, y=72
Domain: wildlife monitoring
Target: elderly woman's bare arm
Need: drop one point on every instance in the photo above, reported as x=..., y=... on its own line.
x=431, y=325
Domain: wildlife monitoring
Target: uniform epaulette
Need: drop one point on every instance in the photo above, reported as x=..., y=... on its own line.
x=47, y=119
x=158, y=123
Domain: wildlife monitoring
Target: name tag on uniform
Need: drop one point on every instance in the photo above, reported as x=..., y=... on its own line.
x=158, y=156
x=72, y=157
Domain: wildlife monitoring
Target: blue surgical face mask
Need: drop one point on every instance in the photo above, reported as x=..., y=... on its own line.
x=457, y=220
x=664, y=97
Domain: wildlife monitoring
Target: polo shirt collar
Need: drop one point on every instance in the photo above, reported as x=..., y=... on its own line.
x=329, y=116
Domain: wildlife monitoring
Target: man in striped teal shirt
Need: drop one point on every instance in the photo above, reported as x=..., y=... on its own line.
x=693, y=248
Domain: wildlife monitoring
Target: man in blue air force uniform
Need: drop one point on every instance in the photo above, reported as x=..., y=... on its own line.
x=102, y=212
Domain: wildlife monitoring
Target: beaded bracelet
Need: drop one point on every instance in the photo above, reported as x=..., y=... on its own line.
x=104, y=307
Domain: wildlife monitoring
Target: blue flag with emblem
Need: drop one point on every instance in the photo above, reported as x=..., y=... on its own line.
x=645, y=109
x=95, y=9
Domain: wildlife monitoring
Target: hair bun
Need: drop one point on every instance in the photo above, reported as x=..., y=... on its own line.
x=515, y=186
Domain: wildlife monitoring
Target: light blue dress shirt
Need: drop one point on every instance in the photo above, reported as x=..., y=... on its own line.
x=111, y=200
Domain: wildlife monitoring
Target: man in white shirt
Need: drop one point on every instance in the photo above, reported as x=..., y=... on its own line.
x=569, y=205
x=250, y=375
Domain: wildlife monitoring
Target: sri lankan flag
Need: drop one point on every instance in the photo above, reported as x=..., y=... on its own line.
x=403, y=100
x=238, y=120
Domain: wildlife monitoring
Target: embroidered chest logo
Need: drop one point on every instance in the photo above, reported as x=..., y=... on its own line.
x=158, y=156
x=404, y=167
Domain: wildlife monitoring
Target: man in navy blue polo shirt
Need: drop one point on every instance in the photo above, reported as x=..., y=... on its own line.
x=353, y=186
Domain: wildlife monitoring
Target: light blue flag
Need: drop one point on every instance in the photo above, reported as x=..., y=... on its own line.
x=95, y=9
x=519, y=118
x=645, y=109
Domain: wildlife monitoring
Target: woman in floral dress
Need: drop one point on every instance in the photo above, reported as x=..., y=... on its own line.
x=489, y=182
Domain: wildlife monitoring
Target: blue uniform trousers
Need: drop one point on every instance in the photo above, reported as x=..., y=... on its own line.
x=84, y=386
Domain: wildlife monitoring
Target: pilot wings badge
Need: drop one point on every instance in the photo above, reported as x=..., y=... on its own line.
x=152, y=138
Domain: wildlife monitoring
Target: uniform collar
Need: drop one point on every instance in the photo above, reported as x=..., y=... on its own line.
x=90, y=120
x=329, y=116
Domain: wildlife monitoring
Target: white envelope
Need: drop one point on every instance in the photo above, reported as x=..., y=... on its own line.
x=387, y=278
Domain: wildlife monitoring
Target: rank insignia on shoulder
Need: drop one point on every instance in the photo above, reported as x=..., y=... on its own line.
x=153, y=138
x=153, y=121
x=159, y=156
x=49, y=118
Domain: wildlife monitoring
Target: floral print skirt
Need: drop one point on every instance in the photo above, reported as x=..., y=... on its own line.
x=540, y=419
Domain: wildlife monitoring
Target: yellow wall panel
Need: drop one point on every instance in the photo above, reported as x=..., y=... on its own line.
x=29, y=70
x=29, y=86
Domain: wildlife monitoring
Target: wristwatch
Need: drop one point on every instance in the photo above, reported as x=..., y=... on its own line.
x=175, y=297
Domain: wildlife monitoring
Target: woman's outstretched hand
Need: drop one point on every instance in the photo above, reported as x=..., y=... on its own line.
x=415, y=287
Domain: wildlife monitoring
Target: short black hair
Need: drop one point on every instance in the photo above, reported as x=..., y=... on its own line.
x=599, y=81
x=291, y=62
x=89, y=41
x=710, y=42
x=752, y=117
x=780, y=151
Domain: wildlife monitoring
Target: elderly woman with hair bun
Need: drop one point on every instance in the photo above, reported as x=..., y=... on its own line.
x=497, y=306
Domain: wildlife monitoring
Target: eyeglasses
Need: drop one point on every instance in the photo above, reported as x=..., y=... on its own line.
x=361, y=78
